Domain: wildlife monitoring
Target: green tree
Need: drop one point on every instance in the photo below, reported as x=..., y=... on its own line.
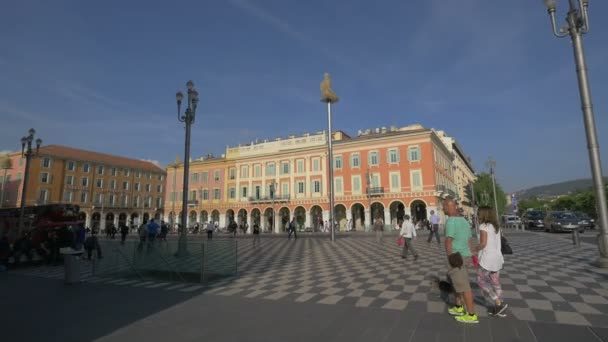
x=531, y=203
x=563, y=203
x=585, y=202
x=484, y=193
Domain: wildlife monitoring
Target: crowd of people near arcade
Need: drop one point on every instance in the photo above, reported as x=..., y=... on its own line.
x=44, y=245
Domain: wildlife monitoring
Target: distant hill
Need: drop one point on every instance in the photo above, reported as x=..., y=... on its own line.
x=557, y=189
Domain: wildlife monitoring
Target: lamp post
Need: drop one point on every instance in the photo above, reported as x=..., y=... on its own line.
x=492, y=166
x=577, y=24
x=6, y=164
x=188, y=118
x=328, y=96
x=28, y=153
x=174, y=166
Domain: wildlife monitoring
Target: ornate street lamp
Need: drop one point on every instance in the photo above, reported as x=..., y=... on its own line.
x=188, y=118
x=577, y=24
x=28, y=153
x=329, y=96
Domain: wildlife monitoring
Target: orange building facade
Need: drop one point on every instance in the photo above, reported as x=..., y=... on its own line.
x=108, y=189
x=383, y=173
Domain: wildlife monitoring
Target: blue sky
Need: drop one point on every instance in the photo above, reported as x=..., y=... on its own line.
x=103, y=76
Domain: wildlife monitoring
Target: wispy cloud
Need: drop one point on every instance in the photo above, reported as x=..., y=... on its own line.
x=155, y=162
x=11, y=111
x=284, y=27
x=79, y=93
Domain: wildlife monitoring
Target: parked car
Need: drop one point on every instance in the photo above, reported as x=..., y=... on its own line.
x=562, y=221
x=534, y=220
x=585, y=221
x=510, y=219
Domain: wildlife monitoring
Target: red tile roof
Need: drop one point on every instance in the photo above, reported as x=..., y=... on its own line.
x=96, y=157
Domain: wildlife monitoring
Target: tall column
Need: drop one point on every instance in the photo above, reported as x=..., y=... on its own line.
x=292, y=186
x=307, y=171
x=325, y=215
x=324, y=183
x=222, y=220
x=307, y=221
x=278, y=221
x=368, y=219
x=250, y=223
x=387, y=218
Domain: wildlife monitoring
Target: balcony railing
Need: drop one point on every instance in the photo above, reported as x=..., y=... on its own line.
x=375, y=191
x=453, y=194
x=263, y=199
x=192, y=203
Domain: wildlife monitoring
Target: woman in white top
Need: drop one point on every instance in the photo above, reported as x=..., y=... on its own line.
x=490, y=259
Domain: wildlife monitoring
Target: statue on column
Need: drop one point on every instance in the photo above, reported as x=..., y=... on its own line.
x=327, y=94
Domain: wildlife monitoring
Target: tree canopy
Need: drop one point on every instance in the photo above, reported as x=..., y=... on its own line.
x=583, y=201
x=484, y=193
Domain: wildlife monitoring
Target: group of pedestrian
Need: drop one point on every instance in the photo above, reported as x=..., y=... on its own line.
x=149, y=232
x=460, y=250
x=111, y=231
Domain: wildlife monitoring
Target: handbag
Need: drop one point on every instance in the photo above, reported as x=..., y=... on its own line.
x=475, y=261
x=505, y=248
x=400, y=241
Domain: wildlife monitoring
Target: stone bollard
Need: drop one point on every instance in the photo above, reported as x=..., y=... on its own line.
x=575, y=238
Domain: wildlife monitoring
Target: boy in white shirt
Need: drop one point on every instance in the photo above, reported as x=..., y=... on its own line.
x=408, y=232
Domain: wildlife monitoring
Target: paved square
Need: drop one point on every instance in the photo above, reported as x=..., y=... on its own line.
x=546, y=279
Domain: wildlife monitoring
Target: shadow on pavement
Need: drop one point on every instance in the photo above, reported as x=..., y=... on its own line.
x=39, y=309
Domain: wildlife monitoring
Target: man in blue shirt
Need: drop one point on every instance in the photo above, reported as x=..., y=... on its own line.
x=153, y=228
x=434, y=228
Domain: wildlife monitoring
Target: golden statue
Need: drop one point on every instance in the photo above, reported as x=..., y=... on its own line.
x=327, y=94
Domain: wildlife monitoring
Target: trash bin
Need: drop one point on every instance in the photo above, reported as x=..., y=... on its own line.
x=71, y=265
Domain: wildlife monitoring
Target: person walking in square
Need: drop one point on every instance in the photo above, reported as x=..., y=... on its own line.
x=379, y=228
x=256, y=235
x=408, y=232
x=142, y=232
x=491, y=260
x=434, y=231
x=92, y=244
x=292, y=229
x=233, y=228
x=124, y=231
x=458, y=239
x=210, y=227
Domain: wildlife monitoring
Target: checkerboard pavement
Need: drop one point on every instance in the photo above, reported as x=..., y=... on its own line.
x=547, y=279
